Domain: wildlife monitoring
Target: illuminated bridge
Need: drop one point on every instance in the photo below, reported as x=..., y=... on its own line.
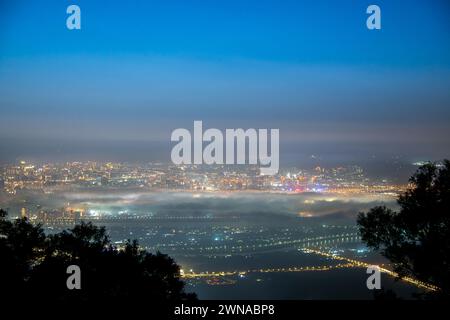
x=344, y=263
x=319, y=241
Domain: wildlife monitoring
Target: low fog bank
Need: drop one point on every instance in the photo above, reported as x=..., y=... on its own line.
x=218, y=204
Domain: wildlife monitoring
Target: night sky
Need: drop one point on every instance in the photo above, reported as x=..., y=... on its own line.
x=139, y=69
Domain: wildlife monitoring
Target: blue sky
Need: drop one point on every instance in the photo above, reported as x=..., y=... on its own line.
x=139, y=69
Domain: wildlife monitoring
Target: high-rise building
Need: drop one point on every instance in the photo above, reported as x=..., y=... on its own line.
x=23, y=213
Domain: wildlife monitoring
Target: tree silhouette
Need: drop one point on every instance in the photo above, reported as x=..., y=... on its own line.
x=417, y=237
x=34, y=264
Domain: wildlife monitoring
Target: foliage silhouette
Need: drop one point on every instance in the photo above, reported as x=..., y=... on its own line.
x=417, y=237
x=35, y=264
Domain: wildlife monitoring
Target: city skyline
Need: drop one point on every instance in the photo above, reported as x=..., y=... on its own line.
x=227, y=226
